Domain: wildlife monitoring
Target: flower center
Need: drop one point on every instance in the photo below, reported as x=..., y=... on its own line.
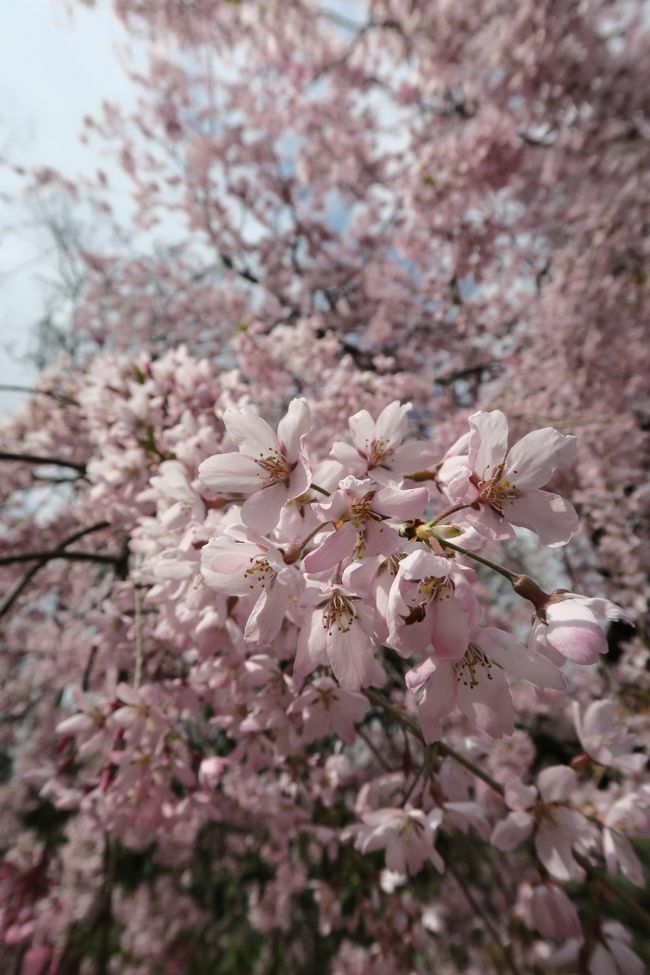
x=474, y=666
x=339, y=613
x=257, y=572
x=495, y=491
x=275, y=468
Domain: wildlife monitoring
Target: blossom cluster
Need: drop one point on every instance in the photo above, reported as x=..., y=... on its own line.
x=297, y=668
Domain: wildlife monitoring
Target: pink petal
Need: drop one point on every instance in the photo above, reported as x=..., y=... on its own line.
x=557, y=783
x=338, y=545
x=294, y=427
x=554, y=849
x=352, y=658
x=362, y=427
x=531, y=461
x=628, y=961
x=267, y=616
x=380, y=539
x=400, y=504
x=449, y=629
x=438, y=698
x=299, y=479
x=488, y=441
x=311, y=648
x=574, y=632
x=231, y=473
x=512, y=831
x=261, y=511
x=392, y=423
x=488, y=704
x=551, y=517
x=504, y=650
x=414, y=455
x=251, y=432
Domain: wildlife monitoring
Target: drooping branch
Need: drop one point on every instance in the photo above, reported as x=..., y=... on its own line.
x=19, y=588
x=60, y=397
x=56, y=554
x=38, y=459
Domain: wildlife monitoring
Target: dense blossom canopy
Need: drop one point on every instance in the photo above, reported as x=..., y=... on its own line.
x=324, y=574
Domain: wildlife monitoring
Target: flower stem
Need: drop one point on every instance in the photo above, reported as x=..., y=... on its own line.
x=321, y=490
x=501, y=569
x=447, y=513
x=523, y=585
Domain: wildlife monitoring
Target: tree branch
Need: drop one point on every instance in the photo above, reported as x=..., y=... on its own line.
x=9, y=601
x=37, y=459
x=12, y=388
x=56, y=554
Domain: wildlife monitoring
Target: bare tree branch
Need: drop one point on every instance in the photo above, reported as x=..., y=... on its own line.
x=11, y=598
x=37, y=459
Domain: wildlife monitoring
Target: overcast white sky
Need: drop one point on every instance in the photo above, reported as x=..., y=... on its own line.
x=52, y=72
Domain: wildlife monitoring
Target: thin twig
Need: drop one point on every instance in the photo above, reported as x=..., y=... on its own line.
x=487, y=920
x=56, y=554
x=375, y=751
x=12, y=388
x=443, y=749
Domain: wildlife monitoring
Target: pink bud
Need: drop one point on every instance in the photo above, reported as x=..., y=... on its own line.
x=211, y=770
x=553, y=914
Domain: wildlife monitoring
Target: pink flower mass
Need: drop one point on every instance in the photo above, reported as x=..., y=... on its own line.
x=324, y=566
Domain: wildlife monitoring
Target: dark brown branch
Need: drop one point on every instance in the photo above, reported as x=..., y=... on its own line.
x=37, y=459
x=450, y=377
x=11, y=598
x=12, y=388
x=56, y=554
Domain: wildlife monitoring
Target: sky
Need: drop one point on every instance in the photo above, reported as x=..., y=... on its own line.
x=53, y=71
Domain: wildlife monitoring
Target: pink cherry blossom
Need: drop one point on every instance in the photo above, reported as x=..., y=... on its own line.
x=606, y=737
x=627, y=818
x=339, y=632
x=549, y=910
x=326, y=707
x=377, y=450
x=244, y=564
x=573, y=627
x=558, y=829
x=430, y=604
x=476, y=683
x=360, y=515
x=501, y=486
x=407, y=836
x=269, y=469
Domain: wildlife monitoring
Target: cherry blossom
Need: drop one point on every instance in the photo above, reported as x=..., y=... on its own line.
x=572, y=627
x=407, y=836
x=500, y=486
x=476, y=684
x=269, y=469
x=545, y=810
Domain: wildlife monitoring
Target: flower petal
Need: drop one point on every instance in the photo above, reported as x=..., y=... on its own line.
x=532, y=460
x=294, y=427
x=551, y=517
x=488, y=441
x=231, y=473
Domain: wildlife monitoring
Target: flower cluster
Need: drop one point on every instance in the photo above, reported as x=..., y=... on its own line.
x=299, y=657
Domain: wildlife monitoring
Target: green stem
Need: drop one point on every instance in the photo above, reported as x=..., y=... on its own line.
x=501, y=569
x=447, y=513
x=523, y=585
x=321, y=490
